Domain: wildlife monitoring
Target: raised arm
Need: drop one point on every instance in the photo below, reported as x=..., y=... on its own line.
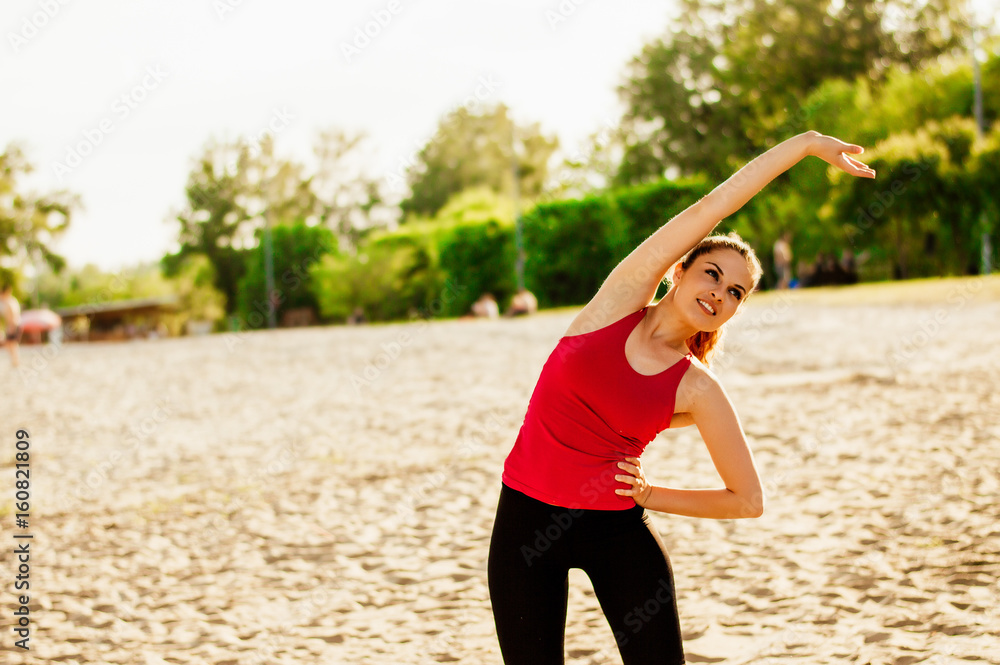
x=742, y=494
x=633, y=282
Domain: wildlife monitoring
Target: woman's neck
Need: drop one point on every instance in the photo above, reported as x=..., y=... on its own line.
x=665, y=327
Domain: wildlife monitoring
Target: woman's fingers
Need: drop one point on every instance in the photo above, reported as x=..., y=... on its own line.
x=852, y=166
x=631, y=480
x=860, y=165
x=841, y=158
x=635, y=479
x=857, y=168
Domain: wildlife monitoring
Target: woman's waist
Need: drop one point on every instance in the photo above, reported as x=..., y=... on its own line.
x=571, y=478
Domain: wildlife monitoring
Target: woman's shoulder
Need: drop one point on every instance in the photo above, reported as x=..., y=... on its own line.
x=698, y=384
x=593, y=318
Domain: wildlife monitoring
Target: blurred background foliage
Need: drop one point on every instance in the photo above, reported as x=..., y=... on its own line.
x=725, y=82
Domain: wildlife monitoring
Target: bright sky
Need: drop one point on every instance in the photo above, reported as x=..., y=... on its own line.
x=141, y=87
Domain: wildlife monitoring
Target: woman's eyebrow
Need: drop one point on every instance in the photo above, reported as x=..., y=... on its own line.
x=722, y=274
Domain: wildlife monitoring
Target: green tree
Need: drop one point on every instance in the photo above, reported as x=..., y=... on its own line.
x=349, y=201
x=234, y=190
x=471, y=149
x=28, y=221
x=925, y=212
x=395, y=277
x=731, y=77
x=296, y=248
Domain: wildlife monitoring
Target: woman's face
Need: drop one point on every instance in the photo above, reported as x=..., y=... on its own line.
x=711, y=290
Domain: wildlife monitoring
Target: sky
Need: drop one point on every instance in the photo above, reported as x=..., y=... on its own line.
x=114, y=99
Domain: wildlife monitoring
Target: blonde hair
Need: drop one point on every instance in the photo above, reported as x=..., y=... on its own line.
x=705, y=344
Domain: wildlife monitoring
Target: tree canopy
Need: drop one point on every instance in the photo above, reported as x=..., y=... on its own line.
x=473, y=149
x=29, y=221
x=730, y=78
x=236, y=189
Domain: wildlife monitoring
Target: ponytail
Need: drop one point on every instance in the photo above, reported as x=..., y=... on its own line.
x=704, y=345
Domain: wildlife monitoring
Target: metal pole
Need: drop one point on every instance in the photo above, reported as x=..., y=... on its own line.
x=985, y=257
x=269, y=267
x=515, y=192
x=38, y=277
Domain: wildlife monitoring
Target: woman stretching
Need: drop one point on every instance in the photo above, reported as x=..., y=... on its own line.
x=574, y=494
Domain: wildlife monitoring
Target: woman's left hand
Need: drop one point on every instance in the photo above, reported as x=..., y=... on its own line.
x=640, y=489
x=837, y=153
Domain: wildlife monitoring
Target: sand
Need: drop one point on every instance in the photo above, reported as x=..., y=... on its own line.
x=326, y=495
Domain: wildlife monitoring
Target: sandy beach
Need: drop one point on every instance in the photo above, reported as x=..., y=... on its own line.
x=326, y=495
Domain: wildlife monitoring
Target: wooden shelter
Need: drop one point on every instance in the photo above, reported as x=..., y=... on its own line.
x=118, y=320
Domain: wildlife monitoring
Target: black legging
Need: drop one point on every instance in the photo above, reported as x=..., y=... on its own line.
x=534, y=545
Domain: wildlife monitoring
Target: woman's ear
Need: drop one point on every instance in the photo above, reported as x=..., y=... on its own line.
x=675, y=272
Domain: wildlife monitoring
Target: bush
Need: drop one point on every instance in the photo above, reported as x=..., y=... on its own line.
x=395, y=277
x=648, y=207
x=571, y=247
x=479, y=258
x=296, y=248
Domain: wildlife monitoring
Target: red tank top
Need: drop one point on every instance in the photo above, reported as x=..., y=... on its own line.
x=589, y=410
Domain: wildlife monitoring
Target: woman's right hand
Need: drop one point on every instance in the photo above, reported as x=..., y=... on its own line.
x=639, y=489
x=836, y=152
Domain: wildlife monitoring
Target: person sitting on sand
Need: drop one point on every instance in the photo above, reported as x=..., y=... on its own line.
x=523, y=302
x=486, y=307
x=10, y=312
x=573, y=492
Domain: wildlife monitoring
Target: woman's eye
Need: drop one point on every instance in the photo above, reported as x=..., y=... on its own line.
x=736, y=294
x=713, y=274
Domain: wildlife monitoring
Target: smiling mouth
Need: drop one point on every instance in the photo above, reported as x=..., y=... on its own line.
x=706, y=306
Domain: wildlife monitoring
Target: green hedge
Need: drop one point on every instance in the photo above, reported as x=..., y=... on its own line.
x=648, y=207
x=476, y=259
x=442, y=268
x=571, y=246
x=390, y=278
x=296, y=248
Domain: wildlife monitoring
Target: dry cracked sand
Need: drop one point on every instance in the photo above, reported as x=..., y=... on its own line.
x=326, y=495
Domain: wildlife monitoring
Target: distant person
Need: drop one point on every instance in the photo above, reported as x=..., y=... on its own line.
x=849, y=264
x=486, y=307
x=523, y=302
x=10, y=312
x=357, y=317
x=783, y=260
x=574, y=493
x=805, y=273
